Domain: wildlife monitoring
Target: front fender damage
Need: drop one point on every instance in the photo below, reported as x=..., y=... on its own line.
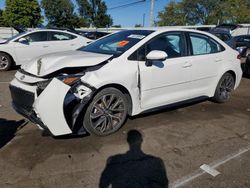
x=75, y=105
x=59, y=106
x=49, y=107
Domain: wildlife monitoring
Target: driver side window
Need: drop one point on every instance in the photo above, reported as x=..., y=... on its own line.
x=37, y=37
x=171, y=43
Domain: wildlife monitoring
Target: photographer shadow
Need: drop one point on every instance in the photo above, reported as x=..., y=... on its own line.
x=8, y=128
x=134, y=169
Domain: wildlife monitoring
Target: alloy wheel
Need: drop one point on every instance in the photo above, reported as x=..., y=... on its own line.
x=107, y=113
x=226, y=87
x=4, y=62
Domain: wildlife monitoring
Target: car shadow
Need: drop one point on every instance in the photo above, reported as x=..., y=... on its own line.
x=246, y=76
x=8, y=128
x=16, y=67
x=134, y=168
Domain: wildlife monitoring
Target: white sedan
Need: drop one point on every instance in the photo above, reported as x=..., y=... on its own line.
x=24, y=47
x=130, y=72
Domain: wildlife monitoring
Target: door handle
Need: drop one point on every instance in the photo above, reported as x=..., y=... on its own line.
x=72, y=45
x=45, y=46
x=187, y=64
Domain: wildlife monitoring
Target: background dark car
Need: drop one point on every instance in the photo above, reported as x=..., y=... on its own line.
x=240, y=41
x=242, y=44
x=246, y=62
x=223, y=35
x=226, y=27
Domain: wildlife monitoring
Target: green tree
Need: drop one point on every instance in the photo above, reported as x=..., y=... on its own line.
x=172, y=15
x=236, y=11
x=25, y=13
x=203, y=12
x=2, y=22
x=193, y=12
x=95, y=11
x=60, y=13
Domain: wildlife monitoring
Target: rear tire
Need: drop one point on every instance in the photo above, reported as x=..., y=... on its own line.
x=106, y=113
x=224, y=88
x=5, y=62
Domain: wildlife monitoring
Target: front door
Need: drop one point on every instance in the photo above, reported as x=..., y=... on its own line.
x=166, y=81
x=37, y=45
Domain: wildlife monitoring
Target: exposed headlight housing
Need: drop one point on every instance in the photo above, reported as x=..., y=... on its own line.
x=82, y=91
x=42, y=85
x=70, y=79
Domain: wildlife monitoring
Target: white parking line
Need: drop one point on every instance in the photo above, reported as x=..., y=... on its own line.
x=208, y=169
x=213, y=165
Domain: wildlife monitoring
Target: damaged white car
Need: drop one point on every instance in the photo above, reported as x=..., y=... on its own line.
x=96, y=87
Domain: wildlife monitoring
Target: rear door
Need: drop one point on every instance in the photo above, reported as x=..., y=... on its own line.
x=62, y=41
x=207, y=57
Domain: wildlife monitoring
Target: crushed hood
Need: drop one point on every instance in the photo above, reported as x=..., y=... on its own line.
x=50, y=63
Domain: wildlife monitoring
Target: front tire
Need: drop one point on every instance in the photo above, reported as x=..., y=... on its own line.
x=224, y=88
x=106, y=113
x=5, y=62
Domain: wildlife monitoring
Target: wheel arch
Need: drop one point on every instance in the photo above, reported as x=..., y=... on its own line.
x=232, y=73
x=13, y=61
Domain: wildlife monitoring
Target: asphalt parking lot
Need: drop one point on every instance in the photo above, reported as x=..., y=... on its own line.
x=184, y=138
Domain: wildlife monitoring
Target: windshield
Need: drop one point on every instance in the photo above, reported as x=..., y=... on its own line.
x=117, y=43
x=15, y=36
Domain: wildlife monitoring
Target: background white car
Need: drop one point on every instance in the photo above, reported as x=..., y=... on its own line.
x=23, y=47
x=94, y=88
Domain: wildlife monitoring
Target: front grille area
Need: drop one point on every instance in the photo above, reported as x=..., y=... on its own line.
x=21, y=98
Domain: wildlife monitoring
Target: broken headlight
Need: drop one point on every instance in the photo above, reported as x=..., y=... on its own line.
x=82, y=91
x=70, y=79
x=42, y=85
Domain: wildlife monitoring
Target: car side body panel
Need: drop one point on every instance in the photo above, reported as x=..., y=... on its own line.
x=122, y=73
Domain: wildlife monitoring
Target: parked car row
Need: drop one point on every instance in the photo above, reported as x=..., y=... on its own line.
x=94, y=88
x=26, y=46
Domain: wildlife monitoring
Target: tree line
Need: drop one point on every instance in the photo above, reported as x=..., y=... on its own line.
x=85, y=13
x=210, y=12
x=58, y=13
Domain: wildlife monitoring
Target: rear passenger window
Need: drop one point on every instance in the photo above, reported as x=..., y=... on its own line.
x=58, y=36
x=202, y=44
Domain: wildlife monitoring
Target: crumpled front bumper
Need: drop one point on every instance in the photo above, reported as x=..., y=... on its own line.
x=47, y=109
x=30, y=115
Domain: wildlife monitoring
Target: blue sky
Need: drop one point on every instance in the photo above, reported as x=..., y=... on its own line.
x=131, y=15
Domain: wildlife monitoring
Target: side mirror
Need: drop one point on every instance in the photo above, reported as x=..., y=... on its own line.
x=23, y=41
x=155, y=55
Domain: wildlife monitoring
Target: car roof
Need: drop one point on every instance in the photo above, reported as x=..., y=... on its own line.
x=55, y=30
x=170, y=29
